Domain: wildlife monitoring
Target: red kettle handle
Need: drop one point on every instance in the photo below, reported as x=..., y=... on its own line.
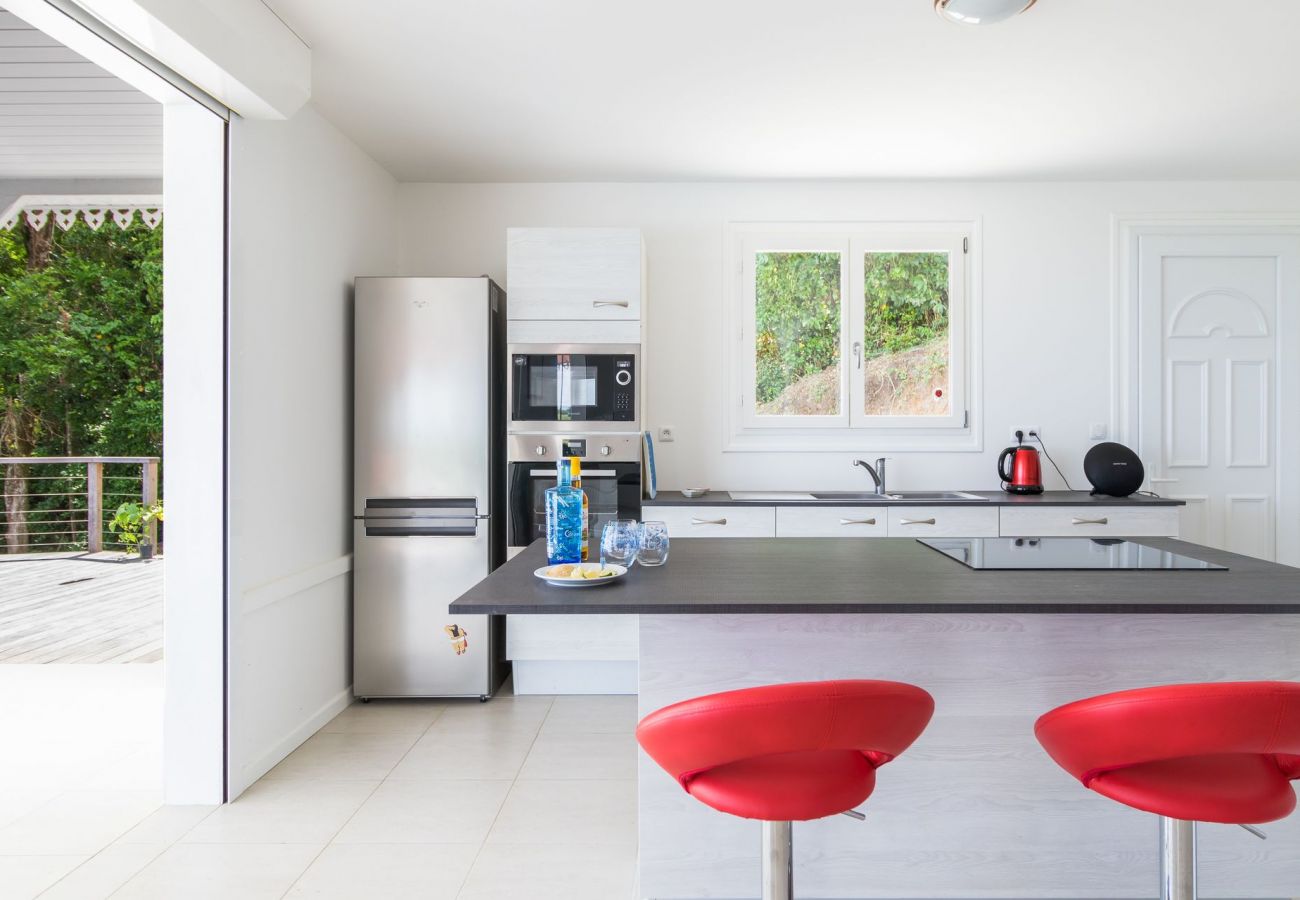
x=1004, y=471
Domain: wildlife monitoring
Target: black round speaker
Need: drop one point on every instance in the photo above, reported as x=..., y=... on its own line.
x=1113, y=469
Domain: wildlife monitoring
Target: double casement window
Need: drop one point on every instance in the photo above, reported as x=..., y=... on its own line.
x=849, y=335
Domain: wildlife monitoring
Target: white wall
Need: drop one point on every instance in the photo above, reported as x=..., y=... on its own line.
x=194, y=477
x=1046, y=261
x=308, y=211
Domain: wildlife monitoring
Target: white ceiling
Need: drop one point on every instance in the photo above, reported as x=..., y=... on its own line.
x=521, y=90
x=64, y=117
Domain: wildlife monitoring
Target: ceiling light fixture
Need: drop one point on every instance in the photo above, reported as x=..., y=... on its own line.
x=980, y=12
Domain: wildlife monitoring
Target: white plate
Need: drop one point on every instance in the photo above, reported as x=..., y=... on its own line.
x=619, y=572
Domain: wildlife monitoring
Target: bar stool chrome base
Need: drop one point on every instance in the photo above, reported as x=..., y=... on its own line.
x=778, y=861
x=1177, y=859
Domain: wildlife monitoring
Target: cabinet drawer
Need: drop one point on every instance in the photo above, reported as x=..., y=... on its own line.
x=714, y=521
x=1090, y=521
x=943, y=521
x=838, y=521
x=574, y=273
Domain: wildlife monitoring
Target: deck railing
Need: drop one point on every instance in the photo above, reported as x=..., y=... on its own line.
x=57, y=503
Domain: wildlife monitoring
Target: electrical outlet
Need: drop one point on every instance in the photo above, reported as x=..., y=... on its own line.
x=667, y=434
x=1026, y=429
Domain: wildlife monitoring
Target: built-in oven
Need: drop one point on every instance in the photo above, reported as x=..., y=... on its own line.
x=573, y=387
x=611, y=477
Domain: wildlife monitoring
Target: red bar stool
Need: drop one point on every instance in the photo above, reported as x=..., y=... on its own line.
x=1188, y=753
x=785, y=753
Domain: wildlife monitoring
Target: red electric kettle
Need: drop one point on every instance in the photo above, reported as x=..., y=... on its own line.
x=1019, y=470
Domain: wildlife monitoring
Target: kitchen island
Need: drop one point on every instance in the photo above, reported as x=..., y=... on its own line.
x=974, y=808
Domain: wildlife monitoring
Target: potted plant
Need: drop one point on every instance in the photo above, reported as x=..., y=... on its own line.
x=131, y=521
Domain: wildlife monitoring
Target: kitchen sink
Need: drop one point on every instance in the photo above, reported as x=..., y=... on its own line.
x=904, y=496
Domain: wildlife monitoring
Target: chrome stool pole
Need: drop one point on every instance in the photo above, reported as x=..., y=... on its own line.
x=778, y=861
x=1177, y=859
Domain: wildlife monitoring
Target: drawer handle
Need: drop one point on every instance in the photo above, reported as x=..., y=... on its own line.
x=916, y=522
x=695, y=521
x=599, y=303
x=857, y=521
x=1102, y=521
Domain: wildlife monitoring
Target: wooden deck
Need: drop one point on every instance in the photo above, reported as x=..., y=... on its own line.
x=80, y=608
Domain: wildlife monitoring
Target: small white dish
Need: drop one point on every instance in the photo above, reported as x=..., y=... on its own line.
x=544, y=573
x=692, y=493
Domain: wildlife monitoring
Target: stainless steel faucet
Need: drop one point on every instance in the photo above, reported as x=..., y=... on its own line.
x=877, y=473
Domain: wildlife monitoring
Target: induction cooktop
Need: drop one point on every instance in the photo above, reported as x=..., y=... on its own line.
x=1066, y=554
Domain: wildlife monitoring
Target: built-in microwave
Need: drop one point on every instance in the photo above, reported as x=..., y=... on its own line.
x=611, y=477
x=573, y=387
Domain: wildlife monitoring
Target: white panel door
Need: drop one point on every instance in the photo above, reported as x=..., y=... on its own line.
x=1217, y=398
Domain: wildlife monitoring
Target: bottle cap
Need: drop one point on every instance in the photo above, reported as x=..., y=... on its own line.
x=575, y=465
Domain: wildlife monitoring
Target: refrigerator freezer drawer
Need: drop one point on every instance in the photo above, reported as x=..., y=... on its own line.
x=405, y=642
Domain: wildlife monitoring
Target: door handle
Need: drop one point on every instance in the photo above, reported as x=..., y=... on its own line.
x=1102, y=521
x=695, y=521
x=916, y=522
x=599, y=303
x=857, y=521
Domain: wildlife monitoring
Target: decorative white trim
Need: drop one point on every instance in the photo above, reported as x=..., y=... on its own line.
x=270, y=592
x=93, y=209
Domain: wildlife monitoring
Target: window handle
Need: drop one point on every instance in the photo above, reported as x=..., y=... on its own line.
x=916, y=522
x=600, y=303
x=857, y=354
x=708, y=521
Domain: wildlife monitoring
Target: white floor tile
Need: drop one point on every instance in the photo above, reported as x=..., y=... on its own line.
x=499, y=716
x=596, y=714
x=166, y=825
x=426, y=812
x=78, y=822
x=18, y=802
x=283, y=812
x=221, y=872
x=386, y=717
x=584, y=756
x=388, y=871
x=474, y=755
x=344, y=757
x=98, y=877
x=598, y=813
x=552, y=872
x=23, y=877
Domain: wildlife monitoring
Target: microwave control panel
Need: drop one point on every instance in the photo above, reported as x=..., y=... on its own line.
x=624, y=388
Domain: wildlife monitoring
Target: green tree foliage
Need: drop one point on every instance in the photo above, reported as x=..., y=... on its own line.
x=797, y=318
x=81, y=340
x=798, y=311
x=907, y=300
x=80, y=347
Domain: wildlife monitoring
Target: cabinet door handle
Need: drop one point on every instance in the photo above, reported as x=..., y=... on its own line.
x=1102, y=521
x=600, y=303
x=916, y=522
x=857, y=521
x=695, y=521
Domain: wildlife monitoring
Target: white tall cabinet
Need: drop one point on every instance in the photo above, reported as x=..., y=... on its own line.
x=575, y=285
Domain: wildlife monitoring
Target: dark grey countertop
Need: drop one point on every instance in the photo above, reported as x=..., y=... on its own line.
x=996, y=498
x=883, y=575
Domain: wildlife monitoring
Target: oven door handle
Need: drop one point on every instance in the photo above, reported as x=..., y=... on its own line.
x=587, y=473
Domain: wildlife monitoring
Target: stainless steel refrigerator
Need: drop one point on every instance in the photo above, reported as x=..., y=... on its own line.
x=428, y=499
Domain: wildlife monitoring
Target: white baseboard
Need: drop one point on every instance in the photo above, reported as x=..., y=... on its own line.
x=242, y=780
x=564, y=676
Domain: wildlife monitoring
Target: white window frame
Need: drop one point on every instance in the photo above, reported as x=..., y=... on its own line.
x=744, y=430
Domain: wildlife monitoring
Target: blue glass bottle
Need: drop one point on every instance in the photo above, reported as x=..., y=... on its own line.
x=563, y=518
